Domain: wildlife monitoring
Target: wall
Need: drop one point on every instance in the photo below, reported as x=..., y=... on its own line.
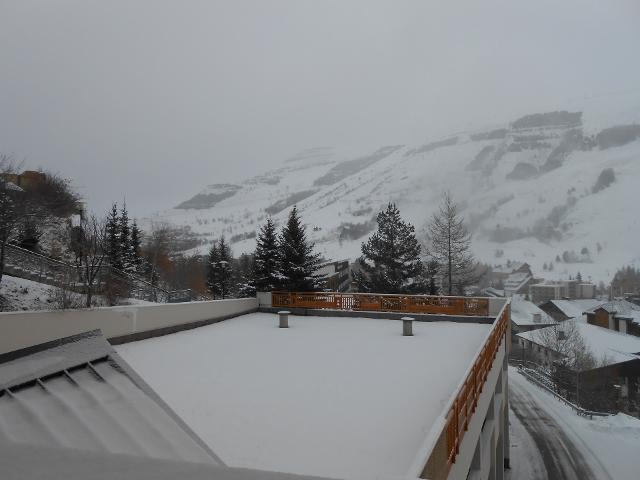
x=119, y=324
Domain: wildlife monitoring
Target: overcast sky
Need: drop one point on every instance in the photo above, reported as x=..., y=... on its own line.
x=152, y=100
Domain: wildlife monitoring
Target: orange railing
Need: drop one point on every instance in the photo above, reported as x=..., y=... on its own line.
x=465, y=402
x=429, y=304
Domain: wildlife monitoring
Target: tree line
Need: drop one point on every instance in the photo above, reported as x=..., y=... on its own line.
x=394, y=261
x=283, y=260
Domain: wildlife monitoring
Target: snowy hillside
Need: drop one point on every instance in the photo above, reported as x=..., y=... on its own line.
x=531, y=190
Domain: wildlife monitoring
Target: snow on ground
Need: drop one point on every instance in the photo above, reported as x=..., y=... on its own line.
x=609, y=445
x=21, y=294
x=338, y=397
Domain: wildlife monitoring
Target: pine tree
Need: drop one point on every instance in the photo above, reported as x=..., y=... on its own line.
x=214, y=258
x=113, y=238
x=450, y=247
x=579, y=277
x=135, y=253
x=266, y=263
x=220, y=270
x=431, y=273
x=298, y=262
x=244, y=282
x=124, y=241
x=390, y=261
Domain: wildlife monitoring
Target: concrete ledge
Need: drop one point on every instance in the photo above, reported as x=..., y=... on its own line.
x=418, y=317
x=159, y=332
x=120, y=324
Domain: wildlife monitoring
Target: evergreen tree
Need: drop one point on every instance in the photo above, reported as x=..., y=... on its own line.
x=219, y=269
x=431, y=273
x=135, y=252
x=579, y=277
x=245, y=285
x=450, y=247
x=390, y=261
x=124, y=241
x=298, y=262
x=266, y=263
x=113, y=238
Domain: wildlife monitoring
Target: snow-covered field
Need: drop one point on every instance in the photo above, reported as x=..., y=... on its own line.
x=337, y=397
x=602, y=448
x=534, y=219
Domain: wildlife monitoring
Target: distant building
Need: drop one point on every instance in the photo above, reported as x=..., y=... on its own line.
x=518, y=283
x=543, y=292
x=500, y=273
x=526, y=316
x=613, y=384
x=25, y=180
x=338, y=275
x=619, y=315
x=565, y=289
x=561, y=310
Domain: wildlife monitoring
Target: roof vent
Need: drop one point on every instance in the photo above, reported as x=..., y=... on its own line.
x=537, y=318
x=407, y=326
x=284, y=318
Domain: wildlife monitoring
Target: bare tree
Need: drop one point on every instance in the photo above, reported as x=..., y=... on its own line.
x=92, y=253
x=11, y=206
x=450, y=247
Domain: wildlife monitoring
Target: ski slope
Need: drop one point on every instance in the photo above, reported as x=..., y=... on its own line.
x=527, y=193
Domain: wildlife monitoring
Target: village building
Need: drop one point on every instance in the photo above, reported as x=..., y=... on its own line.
x=618, y=315
x=561, y=310
x=612, y=383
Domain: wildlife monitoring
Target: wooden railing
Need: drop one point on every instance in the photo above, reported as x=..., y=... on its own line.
x=464, y=405
x=427, y=304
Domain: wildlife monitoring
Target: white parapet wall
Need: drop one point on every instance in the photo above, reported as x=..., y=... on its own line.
x=24, y=329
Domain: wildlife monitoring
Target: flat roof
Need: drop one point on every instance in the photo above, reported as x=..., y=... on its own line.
x=337, y=397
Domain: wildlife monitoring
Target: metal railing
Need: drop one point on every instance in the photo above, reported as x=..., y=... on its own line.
x=428, y=304
x=49, y=270
x=447, y=447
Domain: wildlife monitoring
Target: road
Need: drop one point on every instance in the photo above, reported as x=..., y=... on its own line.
x=543, y=446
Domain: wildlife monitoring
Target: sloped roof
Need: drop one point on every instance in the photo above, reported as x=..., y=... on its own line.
x=609, y=345
x=515, y=281
x=620, y=307
x=575, y=308
x=523, y=311
x=78, y=393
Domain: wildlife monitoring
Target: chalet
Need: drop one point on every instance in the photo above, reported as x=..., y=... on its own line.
x=500, y=273
x=561, y=310
x=613, y=384
x=619, y=315
x=526, y=316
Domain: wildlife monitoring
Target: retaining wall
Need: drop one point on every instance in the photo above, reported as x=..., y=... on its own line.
x=118, y=324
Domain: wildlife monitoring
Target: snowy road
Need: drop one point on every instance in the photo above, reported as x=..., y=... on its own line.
x=548, y=440
x=552, y=453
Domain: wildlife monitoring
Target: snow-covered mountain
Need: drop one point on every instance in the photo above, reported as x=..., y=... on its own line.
x=532, y=190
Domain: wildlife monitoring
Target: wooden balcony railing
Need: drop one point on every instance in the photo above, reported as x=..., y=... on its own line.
x=446, y=448
x=428, y=304
x=464, y=405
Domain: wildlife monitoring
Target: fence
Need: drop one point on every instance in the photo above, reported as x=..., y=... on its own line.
x=467, y=306
x=447, y=447
x=444, y=453
x=44, y=269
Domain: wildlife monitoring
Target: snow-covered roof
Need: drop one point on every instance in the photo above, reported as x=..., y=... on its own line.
x=516, y=280
x=619, y=307
x=575, y=308
x=337, y=397
x=608, y=346
x=524, y=312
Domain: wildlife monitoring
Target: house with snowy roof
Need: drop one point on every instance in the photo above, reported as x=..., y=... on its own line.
x=612, y=382
x=564, y=309
x=619, y=315
x=283, y=386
